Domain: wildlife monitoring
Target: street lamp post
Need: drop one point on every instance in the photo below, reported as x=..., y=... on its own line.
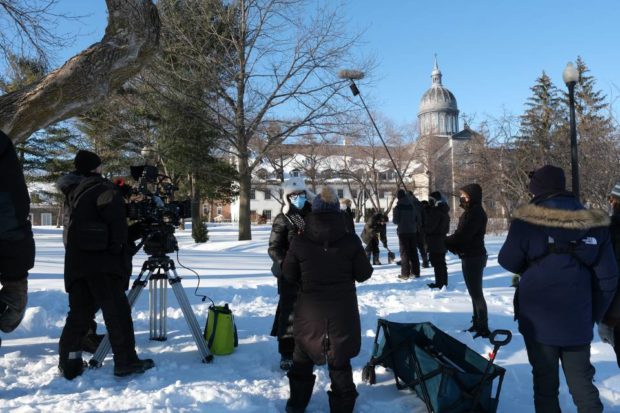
x=571, y=76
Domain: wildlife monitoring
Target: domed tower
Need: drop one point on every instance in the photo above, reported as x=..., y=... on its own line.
x=439, y=114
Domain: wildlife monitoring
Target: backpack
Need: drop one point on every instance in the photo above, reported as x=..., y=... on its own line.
x=221, y=331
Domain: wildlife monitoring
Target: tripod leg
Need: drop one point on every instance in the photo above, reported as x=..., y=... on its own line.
x=190, y=317
x=105, y=346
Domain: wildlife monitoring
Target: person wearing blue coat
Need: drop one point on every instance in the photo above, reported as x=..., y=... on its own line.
x=568, y=279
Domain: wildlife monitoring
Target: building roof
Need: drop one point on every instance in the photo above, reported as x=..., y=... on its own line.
x=438, y=98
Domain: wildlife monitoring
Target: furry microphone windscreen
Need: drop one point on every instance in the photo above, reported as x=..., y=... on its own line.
x=351, y=74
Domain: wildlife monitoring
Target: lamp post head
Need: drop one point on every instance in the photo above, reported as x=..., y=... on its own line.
x=570, y=74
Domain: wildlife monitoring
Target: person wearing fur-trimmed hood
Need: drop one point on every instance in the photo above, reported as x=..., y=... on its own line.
x=287, y=224
x=568, y=278
x=609, y=327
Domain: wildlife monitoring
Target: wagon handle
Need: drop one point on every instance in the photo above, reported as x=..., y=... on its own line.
x=499, y=343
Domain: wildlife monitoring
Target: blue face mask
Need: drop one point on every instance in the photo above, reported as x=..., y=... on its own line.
x=298, y=201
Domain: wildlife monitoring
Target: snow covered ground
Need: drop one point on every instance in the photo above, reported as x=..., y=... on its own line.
x=249, y=380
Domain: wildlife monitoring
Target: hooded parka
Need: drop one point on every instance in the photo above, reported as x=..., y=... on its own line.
x=568, y=270
x=325, y=262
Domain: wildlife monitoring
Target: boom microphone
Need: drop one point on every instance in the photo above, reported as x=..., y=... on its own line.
x=351, y=74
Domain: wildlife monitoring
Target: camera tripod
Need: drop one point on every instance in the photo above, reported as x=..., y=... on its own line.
x=156, y=270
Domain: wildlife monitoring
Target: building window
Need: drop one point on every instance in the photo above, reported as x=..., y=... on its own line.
x=31, y=217
x=252, y=193
x=295, y=173
x=353, y=193
x=205, y=209
x=46, y=218
x=341, y=193
x=218, y=211
x=267, y=214
x=267, y=194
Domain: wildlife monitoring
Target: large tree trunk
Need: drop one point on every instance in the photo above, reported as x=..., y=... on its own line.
x=245, y=185
x=131, y=37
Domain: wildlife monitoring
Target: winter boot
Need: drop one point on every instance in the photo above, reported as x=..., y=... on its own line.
x=342, y=402
x=375, y=259
x=71, y=365
x=474, y=323
x=482, y=328
x=301, y=392
x=435, y=285
x=136, y=367
x=13, y=301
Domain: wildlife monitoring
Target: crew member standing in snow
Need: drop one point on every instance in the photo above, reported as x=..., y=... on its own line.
x=97, y=271
x=287, y=225
x=408, y=219
x=16, y=240
x=568, y=278
x=611, y=321
x=66, y=184
x=374, y=230
x=437, y=227
x=325, y=262
x=468, y=243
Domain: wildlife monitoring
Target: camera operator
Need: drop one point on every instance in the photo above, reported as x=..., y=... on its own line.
x=16, y=241
x=97, y=270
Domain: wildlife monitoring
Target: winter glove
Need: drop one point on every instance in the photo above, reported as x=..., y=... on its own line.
x=606, y=333
x=385, y=245
x=13, y=301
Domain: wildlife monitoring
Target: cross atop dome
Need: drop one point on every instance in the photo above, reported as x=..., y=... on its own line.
x=436, y=73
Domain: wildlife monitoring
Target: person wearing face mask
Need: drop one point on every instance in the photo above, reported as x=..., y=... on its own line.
x=468, y=243
x=609, y=328
x=287, y=225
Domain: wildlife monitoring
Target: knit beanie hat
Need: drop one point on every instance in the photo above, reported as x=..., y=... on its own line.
x=616, y=190
x=86, y=161
x=435, y=196
x=547, y=180
x=400, y=194
x=326, y=201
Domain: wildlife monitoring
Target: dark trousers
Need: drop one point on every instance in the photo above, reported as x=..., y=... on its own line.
x=578, y=371
x=341, y=376
x=421, y=245
x=372, y=247
x=438, y=261
x=86, y=295
x=472, y=273
x=410, y=263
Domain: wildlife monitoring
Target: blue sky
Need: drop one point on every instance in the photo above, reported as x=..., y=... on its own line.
x=490, y=51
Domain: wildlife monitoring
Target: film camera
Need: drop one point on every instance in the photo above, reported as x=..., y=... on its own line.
x=152, y=205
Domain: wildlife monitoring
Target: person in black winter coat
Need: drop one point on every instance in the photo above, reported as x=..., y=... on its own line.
x=408, y=220
x=97, y=271
x=66, y=184
x=16, y=240
x=568, y=278
x=374, y=230
x=325, y=262
x=437, y=227
x=609, y=327
x=468, y=243
x=349, y=216
x=287, y=225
